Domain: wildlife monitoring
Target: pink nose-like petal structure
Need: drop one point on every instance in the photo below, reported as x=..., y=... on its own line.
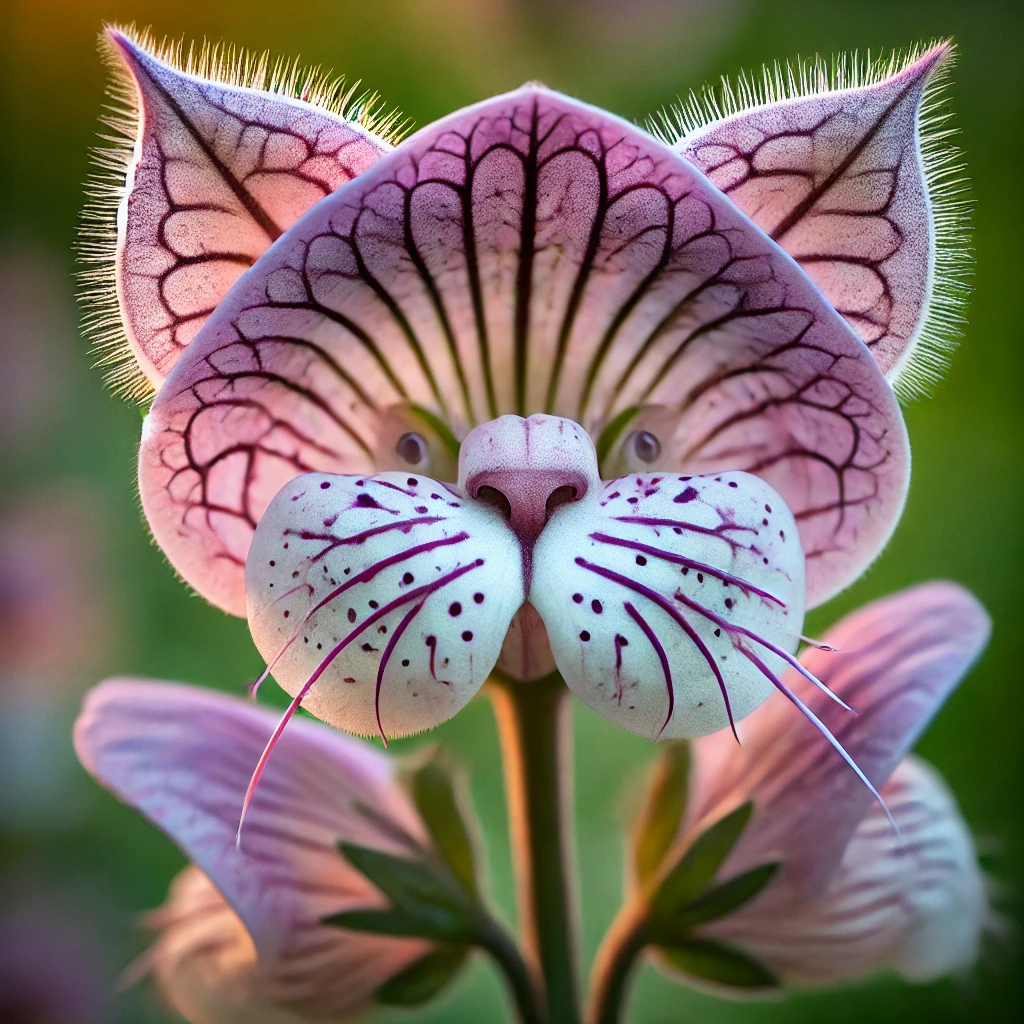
x=527, y=468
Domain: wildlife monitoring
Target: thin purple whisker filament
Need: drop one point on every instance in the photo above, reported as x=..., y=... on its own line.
x=363, y=536
x=767, y=644
x=423, y=591
x=677, y=617
x=662, y=657
x=385, y=658
x=690, y=563
x=363, y=577
x=821, y=727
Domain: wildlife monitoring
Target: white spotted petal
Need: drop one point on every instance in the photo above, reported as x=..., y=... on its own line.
x=381, y=602
x=672, y=601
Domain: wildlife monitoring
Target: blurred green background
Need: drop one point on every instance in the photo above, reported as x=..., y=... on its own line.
x=83, y=592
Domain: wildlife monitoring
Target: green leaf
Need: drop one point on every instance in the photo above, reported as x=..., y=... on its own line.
x=426, y=898
x=719, y=963
x=610, y=434
x=424, y=979
x=717, y=902
x=433, y=786
x=663, y=810
x=422, y=922
x=697, y=866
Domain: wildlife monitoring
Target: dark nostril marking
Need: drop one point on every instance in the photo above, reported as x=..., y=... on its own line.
x=559, y=496
x=493, y=497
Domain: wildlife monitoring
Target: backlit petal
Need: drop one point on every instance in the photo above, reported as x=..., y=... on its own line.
x=219, y=170
x=204, y=960
x=652, y=589
x=895, y=662
x=184, y=757
x=854, y=183
x=913, y=901
x=529, y=254
x=383, y=599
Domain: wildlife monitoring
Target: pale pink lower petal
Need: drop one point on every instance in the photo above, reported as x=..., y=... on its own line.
x=914, y=901
x=183, y=756
x=208, y=969
x=529, y=254
x=895, y=662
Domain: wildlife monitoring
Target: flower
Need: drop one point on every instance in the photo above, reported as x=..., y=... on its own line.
x=241, y=937
x=532, y=389
x=854, y=896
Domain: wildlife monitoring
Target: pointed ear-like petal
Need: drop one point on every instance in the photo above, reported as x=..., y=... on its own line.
x=895, y=662
x=914, y=900
x=382, y=600
x=529, y=254
x=223, y=159
x=652, y=591
x=184, y=757
x=853, y=178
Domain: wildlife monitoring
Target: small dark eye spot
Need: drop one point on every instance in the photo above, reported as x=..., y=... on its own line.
x=584, y=636
x=578, y=598
x=408, y=578
x=411, y=448
x=373, y=604
x=478, y=598
x=596, y=606
x=645, y=445
x=405, y=663
x=467, y=635
x=454, y=609
x=325, y=485
x=640, y=560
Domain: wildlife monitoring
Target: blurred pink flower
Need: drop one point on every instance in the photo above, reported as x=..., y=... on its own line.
x=241, y=938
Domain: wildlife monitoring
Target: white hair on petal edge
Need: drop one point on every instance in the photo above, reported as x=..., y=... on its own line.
x=946, y=184
x=101, y=319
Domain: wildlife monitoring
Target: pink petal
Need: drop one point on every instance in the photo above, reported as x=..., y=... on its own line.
x=913, y=901
x=382, y=600
x=183, y=756
x=638, y=283
x=218, y=173
x=840, y=180
x=895, y=662
x=652, y=588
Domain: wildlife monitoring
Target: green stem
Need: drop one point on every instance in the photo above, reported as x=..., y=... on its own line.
x=614, y=963
x=505, y=952
x=534, y=726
